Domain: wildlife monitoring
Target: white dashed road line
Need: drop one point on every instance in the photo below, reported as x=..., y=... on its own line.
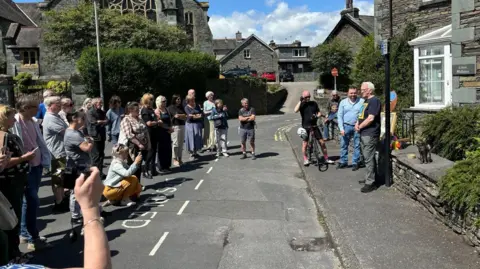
x=199, y=183
x=209, y=169
x=183, y=208
x=159, y=243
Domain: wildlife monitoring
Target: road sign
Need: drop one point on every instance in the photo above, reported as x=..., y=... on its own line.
x=335, y=72
x=384, y=47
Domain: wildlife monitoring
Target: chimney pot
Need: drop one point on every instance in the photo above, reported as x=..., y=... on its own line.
x=238, y=36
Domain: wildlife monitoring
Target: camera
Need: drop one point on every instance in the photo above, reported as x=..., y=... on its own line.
x=70, y=175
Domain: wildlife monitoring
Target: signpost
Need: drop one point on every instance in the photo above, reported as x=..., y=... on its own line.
x=385, y=52
x=335, y=75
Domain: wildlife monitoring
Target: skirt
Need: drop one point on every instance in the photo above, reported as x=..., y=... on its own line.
x=193, y=136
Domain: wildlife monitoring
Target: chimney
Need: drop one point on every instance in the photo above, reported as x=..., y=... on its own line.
x=297, y=43
x=272, y=44
x=356, y=12
x=238, y=36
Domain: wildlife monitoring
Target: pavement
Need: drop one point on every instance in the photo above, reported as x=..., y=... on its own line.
x=382, y=229
x=222, y=213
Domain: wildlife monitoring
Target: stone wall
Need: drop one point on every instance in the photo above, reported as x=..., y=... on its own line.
x=261, y=58
x=202, y=35
x=425, y=17
x=306, y=76
x=7, y=95
x=466, y=50
x=420, y=182
x=351, y=36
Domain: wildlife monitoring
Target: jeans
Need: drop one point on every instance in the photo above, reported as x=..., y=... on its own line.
x=31, y=202
x=74, y=207
x=345, y=143
x=115, y=139
x=369, y=147
x=221, y=136
x=329, y=126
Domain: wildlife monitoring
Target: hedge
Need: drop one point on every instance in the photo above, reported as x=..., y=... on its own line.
x=131, y=72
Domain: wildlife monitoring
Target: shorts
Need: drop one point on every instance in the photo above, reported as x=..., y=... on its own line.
x=56, y=164
x=247, y=134
x=316, y=133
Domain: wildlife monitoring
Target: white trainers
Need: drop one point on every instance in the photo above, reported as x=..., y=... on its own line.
x=306, y=162
x=127, y=202
x=225, y=154
x=329, y=161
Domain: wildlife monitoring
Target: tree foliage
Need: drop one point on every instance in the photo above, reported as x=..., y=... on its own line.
x=69, y=31
x=369, y=65
x=336, y=53
x=131, y=72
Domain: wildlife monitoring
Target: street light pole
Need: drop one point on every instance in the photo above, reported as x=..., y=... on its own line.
x=97, y=32
x=388, y=178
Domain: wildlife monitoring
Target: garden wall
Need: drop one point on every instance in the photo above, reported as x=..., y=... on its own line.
x=420, y=182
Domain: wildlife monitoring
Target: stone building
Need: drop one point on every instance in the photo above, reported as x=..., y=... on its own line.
x=293, y=57
x=352, y=28
x=446, y=52
x=21, y=33
x=250, y=52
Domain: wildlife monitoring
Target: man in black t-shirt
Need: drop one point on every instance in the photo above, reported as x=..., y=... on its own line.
x=310, y=113
x=368, y=125
x=246, y=116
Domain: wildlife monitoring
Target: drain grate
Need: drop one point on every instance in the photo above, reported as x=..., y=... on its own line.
x=311, y=244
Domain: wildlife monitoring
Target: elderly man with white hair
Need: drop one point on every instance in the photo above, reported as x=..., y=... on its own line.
x=246, y=116
x=209, y=128
x=42, y=110
x=368, y=125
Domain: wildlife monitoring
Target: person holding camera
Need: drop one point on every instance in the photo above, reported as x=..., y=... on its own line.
x=121, y=184
x=310, y=113
x=78, y=148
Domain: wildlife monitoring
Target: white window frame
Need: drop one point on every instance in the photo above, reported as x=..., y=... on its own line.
x=447, y=69
x=246, y=54
x=299, y=54
x=29, y=51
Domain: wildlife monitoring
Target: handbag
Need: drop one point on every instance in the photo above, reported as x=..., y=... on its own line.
x=7, y=215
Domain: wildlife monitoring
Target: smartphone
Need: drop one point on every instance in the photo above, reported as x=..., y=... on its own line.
x=35, y=149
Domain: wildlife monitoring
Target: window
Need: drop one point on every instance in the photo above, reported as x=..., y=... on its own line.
x=299, y=53
x=29, y=57
x=246, y=54
x=433, y=75
x=300, y=68
x=189, y=18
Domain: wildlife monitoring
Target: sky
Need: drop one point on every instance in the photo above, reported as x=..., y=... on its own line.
x=283, y=21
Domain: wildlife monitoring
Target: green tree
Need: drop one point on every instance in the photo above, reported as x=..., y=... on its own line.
x=369, y=65
x=69, y=31
x=336, y=53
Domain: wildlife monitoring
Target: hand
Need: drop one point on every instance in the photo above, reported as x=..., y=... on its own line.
x=225, y=108
x=159, y=122
x=302, y=99
x=88, y=191
x=29, y=156
x=3, y=161
x=176, y=116
x=342, y=133
x=138, y=159
x=357, y=128
x=326, y=120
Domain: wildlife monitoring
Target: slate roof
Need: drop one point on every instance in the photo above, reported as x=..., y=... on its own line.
x=364, y=24
x=31, y=10
x=226, y=43
x=10, y=11
x=252, y=36
x=28, y=37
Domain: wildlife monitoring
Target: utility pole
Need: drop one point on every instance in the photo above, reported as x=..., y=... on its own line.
x=386, y=53
x=97, y=32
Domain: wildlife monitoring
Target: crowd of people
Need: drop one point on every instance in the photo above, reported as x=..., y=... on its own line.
x=148, y=139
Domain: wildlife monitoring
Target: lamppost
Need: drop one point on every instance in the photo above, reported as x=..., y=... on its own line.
x=97, y=33
x=386, y=52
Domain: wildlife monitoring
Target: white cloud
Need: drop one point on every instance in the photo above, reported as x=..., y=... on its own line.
x=284, y=24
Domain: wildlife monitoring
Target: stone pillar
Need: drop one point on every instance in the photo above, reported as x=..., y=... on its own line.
x=7, y=95
x=465, y=54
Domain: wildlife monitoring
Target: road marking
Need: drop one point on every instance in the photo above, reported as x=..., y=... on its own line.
x=209, y=169
x=216, y=160
x=159, y=243
x=183, y=208
x=199, y=183
x=228, y=143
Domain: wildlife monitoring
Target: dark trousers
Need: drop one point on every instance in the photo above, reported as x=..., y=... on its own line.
x=164, y=150
x=98, y=154
x=136, y=150
x=150, y=160
x=13, y=190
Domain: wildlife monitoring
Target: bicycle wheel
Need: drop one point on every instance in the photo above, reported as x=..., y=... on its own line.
x=321, y=162
x=310, y=148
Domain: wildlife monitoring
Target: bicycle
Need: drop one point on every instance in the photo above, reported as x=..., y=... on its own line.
x=313, y=147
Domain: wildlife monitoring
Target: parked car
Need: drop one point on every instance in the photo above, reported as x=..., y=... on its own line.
x=253, y=73
x=286, y=76
x=235, y=73
x=269, y=76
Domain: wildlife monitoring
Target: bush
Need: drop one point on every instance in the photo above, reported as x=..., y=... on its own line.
x=332, y=54
x=451, y=131
x=460, y=187
x=131, y=72
x=59, y=87
x=22, y=82
x=273, y=88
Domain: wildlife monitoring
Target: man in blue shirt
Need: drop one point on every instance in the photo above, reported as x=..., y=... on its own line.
x=348, y=111
x=42, y=110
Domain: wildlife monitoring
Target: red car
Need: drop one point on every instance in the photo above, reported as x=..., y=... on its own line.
x=269, y=76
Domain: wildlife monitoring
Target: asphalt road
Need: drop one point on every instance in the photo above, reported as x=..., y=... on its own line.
x=226, y=213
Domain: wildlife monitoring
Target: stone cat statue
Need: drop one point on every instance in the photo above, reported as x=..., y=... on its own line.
x=425, y=151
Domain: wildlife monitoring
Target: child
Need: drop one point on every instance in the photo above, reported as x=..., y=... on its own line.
x=219, y=117
x=331, y=122
x=121, y=185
